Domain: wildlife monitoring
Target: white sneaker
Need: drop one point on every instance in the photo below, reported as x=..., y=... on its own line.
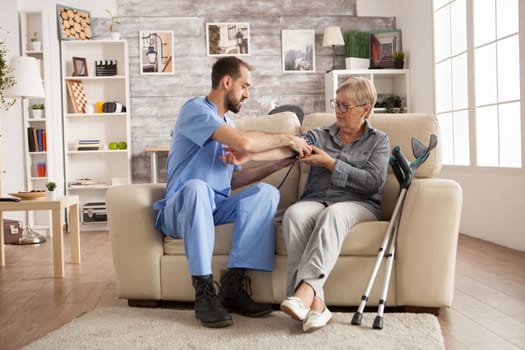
x=294, y=307
x=316, y=320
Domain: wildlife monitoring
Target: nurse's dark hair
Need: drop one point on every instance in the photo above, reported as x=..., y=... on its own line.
x=229, y=65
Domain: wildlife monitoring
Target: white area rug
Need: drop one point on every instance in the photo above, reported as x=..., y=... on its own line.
x=140, y=328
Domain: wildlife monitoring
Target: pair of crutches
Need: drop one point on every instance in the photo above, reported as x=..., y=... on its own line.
x=404, y=172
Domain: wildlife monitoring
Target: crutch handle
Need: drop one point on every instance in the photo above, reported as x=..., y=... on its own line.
x=404, y=165
x=396, y=169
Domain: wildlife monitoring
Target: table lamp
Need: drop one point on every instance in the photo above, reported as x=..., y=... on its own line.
x=333, y=37
x=28, y=83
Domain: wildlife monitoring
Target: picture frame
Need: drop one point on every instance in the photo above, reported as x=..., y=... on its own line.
x=224, y=39
x=156, y=52
x=383, y=44
x=298, y=50
x=77, y=95
x=80, y=67
x=74, y=23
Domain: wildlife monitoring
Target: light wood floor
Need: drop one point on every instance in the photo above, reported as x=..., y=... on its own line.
x=488, y=310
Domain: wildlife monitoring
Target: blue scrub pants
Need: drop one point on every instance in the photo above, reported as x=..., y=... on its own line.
x=193, y=211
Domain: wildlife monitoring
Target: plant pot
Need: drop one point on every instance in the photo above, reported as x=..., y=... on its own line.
x=357, y=63
x=51, y=195
x=38, y=113
x=399, y=64
x=36, y=45
x=115, y=36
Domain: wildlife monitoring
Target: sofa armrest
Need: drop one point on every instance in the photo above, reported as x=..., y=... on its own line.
x=136, y=245
x=427, y=243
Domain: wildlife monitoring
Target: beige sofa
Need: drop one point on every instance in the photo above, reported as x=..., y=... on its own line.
x=150, y=268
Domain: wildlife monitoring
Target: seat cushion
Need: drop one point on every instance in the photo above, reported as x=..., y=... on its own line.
x=364, y=239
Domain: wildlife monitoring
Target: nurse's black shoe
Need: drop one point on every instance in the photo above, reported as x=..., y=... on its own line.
x=208, y=308
x=233, y=295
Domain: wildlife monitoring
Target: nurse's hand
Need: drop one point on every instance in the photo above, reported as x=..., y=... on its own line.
x=234, y=157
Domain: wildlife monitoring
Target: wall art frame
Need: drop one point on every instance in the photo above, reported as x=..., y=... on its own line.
x=74, y=23
x=383, y=44
x=298, y=50
x=80, y=68
x=225, y=39
x=156, y=51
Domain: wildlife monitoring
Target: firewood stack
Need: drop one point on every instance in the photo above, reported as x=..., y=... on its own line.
x=75, y=24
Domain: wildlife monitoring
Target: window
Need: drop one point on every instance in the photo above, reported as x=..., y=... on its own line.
x=491, y=99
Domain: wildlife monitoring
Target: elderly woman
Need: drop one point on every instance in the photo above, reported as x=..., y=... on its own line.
x=349, y=163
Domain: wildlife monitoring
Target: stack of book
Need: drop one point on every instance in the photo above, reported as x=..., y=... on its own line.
x=37, y=139
x=88, y=145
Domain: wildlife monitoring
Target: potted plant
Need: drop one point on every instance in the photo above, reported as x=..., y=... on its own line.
x=112, y=26
x=357, y=50
x=6, y=78
x=37, y=110
x=399, y=59
x=393, y=104
x=51, y=186
x=35, y=43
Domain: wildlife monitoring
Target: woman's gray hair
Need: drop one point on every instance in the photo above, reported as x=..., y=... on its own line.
x=360, y=90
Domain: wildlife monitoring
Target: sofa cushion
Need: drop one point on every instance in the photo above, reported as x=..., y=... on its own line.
x=278, y=123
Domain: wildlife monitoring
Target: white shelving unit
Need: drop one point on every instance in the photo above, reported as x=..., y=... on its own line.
x=36, y=22
x=387, y=82
x=88, y=173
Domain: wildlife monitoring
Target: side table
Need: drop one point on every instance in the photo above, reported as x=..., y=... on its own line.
x=57, y=207
x=154, y=150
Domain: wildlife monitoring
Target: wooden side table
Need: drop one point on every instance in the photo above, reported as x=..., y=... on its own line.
x=154, y=150
x=57, y=207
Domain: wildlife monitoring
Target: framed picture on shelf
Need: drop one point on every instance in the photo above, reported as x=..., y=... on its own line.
x=77, y=95
x=383, y=44
x=223, y=39
x=298, y=47
x=156, y=52
x=73, y=23
x=80, y=67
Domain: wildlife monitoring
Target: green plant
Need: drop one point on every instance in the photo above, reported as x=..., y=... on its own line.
x=37, y=106
x=357, y=44
x=393, y=104
x=34, y=37
x=114, y=21
x=6, y=78
x=51, y=186
x=398, y=56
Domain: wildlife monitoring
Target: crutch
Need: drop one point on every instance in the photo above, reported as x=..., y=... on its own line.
x=404, y=172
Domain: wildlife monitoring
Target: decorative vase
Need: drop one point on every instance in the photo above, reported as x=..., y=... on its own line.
x=37, y=113
x=357, y=63
x=399, y=64
x=36, y=45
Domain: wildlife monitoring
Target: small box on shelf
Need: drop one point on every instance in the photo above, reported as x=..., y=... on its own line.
x=106, y=68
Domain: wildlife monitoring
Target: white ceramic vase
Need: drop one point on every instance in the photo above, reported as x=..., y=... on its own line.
x=115, y=36
x=37, y=113
x=36, y=45
x=356, y=63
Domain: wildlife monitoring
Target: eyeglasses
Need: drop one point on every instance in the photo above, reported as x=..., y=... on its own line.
x=343, y=107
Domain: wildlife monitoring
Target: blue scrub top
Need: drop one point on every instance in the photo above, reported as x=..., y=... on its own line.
x=193, y=154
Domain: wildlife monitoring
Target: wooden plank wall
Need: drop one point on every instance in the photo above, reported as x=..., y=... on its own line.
x=156, y=99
